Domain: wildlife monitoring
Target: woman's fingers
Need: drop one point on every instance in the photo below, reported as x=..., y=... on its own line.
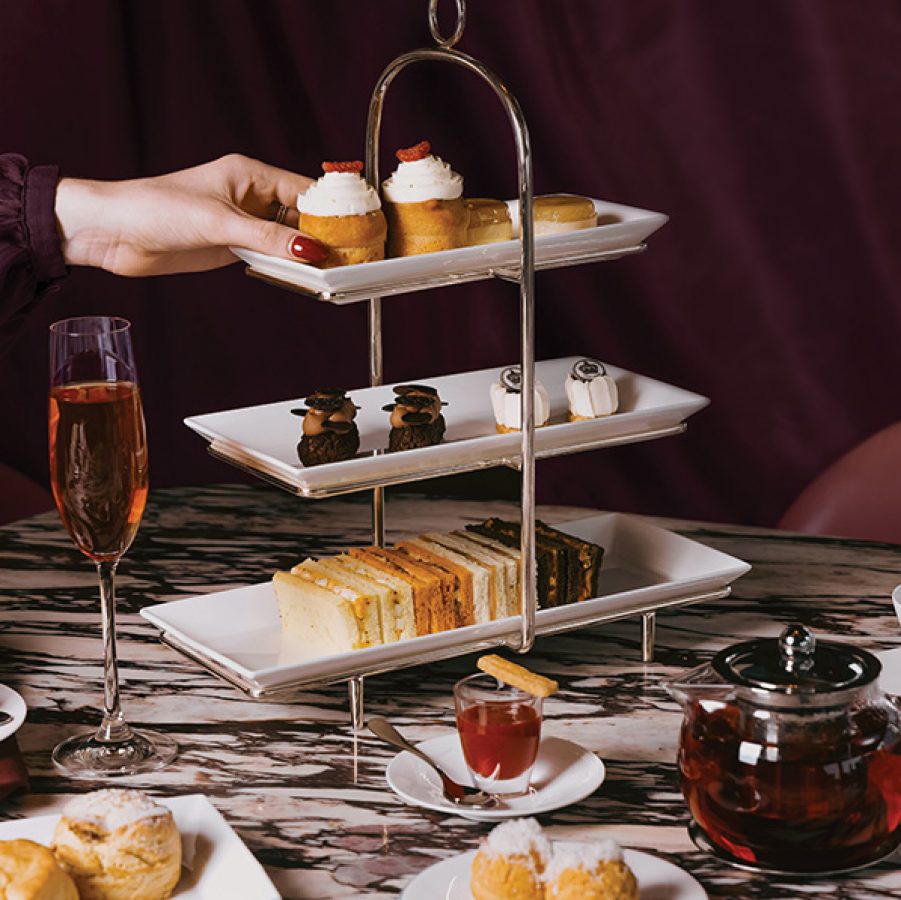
x=275, y=240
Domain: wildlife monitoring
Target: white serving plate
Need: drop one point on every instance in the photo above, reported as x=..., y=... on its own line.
x=657, y=878
x=645, y=567
x=345, y=284
x=216, y=863
x=264, y=438
x=12, y=704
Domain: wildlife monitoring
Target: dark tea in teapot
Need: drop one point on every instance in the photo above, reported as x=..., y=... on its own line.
x=829, y=799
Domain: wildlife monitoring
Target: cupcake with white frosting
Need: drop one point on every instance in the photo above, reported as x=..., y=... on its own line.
x=510, y=862
x=505, y=401
x=589, y=872
x=345, y=213
x=424, y=204
x=591, y=392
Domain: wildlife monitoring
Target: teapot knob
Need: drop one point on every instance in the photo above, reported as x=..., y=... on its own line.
x=796, y=647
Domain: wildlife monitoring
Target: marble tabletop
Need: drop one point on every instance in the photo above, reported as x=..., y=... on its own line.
x=306, y=794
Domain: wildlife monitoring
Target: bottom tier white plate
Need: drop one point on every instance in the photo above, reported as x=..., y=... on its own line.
x=238, y=635
x=657, y=879
x=216, y=863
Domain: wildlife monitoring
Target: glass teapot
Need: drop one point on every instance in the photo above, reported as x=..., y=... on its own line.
x=790, y=754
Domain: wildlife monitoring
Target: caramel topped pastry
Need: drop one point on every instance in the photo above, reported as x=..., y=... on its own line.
x=329, y=431
x=489, y=221
x=416, y=419
x=558, y=213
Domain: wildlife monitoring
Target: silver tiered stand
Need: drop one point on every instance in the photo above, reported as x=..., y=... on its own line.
x=522, y=638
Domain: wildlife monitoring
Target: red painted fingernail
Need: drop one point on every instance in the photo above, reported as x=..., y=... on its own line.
x=308, y=249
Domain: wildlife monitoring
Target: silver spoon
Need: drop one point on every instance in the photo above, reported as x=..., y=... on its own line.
x=458, y=794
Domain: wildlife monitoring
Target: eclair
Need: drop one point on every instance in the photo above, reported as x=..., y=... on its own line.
x=416, y=419
x=329, y=431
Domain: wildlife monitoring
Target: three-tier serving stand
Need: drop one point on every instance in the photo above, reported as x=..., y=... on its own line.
x=522, y=637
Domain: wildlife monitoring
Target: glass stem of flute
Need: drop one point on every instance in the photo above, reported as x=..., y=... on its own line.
x=113, y=728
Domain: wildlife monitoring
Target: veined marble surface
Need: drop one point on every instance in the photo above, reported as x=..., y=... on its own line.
x=307, y=795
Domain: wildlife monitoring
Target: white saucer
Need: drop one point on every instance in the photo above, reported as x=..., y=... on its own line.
x=890, y=676
x=14, y=705
x=657, y=879
x=564, y=773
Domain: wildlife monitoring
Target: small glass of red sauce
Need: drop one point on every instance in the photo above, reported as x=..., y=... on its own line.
x=500, y=729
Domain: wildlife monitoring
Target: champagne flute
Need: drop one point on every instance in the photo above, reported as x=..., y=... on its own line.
x=98, y=473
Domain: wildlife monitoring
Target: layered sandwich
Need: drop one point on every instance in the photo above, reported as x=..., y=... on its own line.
x=428, y=584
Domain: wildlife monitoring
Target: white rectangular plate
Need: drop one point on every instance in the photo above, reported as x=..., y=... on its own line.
x=264, y=438
x=217, y=863
x=408, y=273
x=644, y=566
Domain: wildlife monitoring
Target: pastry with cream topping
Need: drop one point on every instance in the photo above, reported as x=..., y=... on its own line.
x=559, y=213
x=118, y=845
x=489, y=222
x=345, y=214
x=29, y=871
x=424, y=204
x=505, y=401
x=329, y=431
x=510, y=863
x=416, y=419
x=590, y=871
x=591, y=391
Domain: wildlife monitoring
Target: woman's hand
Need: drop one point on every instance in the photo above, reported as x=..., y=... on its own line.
x=182, y=222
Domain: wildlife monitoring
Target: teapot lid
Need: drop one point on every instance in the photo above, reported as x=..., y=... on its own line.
x=796, y=670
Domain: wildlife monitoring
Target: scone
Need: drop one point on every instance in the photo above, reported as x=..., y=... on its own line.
x=489, y=222
x=119, y=845
x=510, y=863
x=416, y=419
x=591, y=392
x=29, y=871
x=343, y=212
x=558, y=213
x=424, y=204
x=593, y=871
x=329, y=431
x=505, y=401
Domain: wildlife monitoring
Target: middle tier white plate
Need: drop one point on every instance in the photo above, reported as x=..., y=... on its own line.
x=264, y=438
x=238, y=635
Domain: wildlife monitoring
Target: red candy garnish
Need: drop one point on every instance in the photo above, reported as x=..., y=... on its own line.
x=411, y=154
x=354, y=166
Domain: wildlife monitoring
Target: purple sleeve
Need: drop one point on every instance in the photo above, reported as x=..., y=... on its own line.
x=31, y=257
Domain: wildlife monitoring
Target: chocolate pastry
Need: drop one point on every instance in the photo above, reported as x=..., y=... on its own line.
x=329, y=431
x=416, y=419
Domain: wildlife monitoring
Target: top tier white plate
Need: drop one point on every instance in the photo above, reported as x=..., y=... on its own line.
x=622, y=235
x=264, y=438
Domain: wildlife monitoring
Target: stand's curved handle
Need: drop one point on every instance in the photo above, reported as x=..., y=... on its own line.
x=445, y=53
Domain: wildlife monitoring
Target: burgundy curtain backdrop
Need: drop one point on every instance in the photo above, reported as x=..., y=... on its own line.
x=769, y=132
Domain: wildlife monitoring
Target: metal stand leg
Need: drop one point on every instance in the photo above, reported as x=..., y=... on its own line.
x=648, y=633
x=355, y=693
